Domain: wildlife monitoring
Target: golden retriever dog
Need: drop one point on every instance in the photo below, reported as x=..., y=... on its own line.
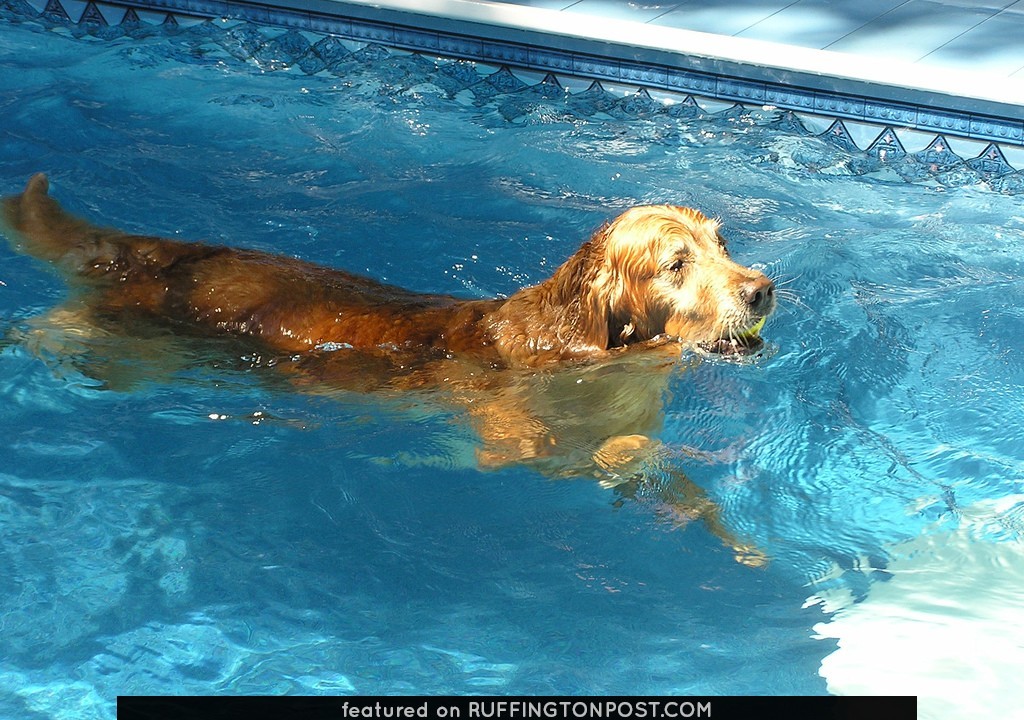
x=566, y=374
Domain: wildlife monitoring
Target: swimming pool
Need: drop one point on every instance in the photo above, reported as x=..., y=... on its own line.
x=212, y=532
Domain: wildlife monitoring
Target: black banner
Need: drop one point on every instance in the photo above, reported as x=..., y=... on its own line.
x=516, y=708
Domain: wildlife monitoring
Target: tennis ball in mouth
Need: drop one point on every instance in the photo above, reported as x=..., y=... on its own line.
x=754, y=329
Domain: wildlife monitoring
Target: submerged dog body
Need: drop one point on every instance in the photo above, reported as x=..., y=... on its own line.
x=654, y=271
x=544, y=375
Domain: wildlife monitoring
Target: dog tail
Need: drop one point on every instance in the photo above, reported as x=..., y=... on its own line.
x=40, y=227
x=43, y=229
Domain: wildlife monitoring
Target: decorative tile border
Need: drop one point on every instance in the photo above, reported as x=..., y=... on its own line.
x=892, y=121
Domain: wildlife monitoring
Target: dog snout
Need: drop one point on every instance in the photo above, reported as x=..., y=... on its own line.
x=759, y=295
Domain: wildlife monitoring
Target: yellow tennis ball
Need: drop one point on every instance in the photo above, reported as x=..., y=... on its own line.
x=754, y=329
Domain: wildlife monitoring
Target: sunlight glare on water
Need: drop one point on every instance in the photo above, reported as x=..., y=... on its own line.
x=199, y=527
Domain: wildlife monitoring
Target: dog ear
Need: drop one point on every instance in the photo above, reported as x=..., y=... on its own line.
x=569, y=314
x=593, y=284
x=578, y=298
x=595, y=322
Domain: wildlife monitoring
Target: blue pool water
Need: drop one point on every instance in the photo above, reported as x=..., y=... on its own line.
x=212, y=532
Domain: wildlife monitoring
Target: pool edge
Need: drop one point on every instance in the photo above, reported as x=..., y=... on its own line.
x=871, y=123
x=460, y=29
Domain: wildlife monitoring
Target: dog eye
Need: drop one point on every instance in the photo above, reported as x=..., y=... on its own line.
x=677, y=265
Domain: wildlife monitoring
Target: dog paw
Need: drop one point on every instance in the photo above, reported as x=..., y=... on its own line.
x=622, y=456
x=750, y=556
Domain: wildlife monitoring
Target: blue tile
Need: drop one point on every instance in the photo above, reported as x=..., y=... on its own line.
x=842, y=105
x=1012, y=184
x=643, y=75
x=506, y=53
x=252, y=13
x=291, y=19
x=505, y=81
x=460, y=47
x=550, y=59
x=202, y=8
x=55, y=11
x=416, y=39
x=740, y=90
x=549, y=86
x=781, y=96
x=996, y=129
x=991, y=162
x=839, y=135
x=92, y=14
x=588, y=66
x=637, y=105
x=334, y=26
x=944, y=121
x=373, y=32
x=688, y=108
x=938, y=154
x=887, y=145
x=460, y=74
x=890, y=112
x=688, y=82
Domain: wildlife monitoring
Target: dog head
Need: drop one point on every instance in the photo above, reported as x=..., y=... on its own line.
x=665, y=270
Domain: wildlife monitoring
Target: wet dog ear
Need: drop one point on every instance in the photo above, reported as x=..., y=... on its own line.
x=599, y=292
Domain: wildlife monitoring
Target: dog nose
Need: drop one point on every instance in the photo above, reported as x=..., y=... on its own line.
x=759, y=295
